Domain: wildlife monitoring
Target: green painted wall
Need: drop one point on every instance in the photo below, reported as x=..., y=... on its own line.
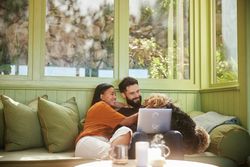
x=248, y=62
x=188, y=100
x=226, y=101
x=229, y=100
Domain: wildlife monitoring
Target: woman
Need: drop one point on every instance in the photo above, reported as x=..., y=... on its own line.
x=99, y=134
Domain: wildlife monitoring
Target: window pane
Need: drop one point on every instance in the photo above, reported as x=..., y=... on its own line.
x=159, y=39
x=80, y=38
x=226, y=57
x=14, y=37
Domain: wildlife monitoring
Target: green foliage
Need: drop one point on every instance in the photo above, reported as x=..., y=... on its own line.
x=164, y=4
x=4, y=59
x=15, y=9
x=149, y=47
x=5, y=69
x=146, y=15
x=158, y=68
x=142, y=51
x=146, y=53
x=225, y=68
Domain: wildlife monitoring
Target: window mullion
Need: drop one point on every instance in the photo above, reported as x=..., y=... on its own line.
x=37, y=38
x=123, y=37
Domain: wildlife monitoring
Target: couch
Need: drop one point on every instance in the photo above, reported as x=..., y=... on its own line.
x=229, y=146
x=42, y=133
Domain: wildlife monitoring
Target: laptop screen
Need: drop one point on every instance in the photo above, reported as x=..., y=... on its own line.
x=154, y=120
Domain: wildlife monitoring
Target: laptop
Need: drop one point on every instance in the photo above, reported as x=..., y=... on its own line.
x=154, y=120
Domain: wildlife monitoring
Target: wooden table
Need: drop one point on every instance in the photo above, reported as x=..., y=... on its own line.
x=132, y=163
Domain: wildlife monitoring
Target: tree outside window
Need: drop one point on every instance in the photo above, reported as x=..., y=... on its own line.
x=225, y=60
x=14, y=37
x=159, y=41
x=80, y=38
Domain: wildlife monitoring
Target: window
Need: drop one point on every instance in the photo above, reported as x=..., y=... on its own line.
x=159, y=42
x=85, y=42
x=80, y=38
x=225, y=57
x=14, y=37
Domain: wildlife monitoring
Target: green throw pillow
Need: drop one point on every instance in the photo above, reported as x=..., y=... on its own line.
x=1, y=124
x=59, y=124
x=22, y=127
x=232, y=141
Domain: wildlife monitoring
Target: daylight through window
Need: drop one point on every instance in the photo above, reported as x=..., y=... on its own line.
x=80, y=38
x=14, y=37
x=225, y=60
x=159, y=41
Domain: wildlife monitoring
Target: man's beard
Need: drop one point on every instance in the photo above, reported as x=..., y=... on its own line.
x=136, y=103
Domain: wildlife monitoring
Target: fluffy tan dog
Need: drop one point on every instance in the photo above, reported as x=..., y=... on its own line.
x=195, y=139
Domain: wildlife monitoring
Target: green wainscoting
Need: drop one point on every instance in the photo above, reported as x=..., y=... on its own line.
x=187, y=100
x=225, y=102
x=248, y=62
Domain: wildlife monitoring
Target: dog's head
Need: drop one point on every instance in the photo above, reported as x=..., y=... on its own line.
x=157, y=100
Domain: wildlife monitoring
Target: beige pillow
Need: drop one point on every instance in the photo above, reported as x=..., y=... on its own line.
x=59, y=124
x=22, y=127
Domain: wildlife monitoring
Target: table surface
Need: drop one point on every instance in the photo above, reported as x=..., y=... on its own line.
x=132, y=163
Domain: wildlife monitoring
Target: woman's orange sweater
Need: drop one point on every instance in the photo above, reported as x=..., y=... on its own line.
x=101, y=120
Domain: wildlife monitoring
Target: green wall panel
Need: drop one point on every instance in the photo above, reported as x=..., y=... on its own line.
x=225, y=102
x=188, y=101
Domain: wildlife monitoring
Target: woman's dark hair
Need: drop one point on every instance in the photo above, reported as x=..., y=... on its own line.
x=100, y=89
x=127, y=81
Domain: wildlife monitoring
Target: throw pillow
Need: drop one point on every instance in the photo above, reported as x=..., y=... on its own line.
x=34, y=103
x=22, y=127
x=59, y=124
x=230, y=140
x=1, y=124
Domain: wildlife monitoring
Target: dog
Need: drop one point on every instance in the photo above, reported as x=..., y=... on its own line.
x=195, y=139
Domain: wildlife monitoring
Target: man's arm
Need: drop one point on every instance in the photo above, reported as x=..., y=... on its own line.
x=127, y=111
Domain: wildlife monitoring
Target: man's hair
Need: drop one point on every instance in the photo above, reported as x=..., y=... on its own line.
x=127, y=81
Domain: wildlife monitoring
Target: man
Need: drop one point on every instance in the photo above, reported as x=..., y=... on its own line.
x=130, y=91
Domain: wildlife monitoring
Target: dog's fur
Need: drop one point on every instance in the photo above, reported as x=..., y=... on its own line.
x=195, y=139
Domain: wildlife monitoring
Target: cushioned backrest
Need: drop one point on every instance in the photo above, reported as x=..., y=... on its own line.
x=228, y=140
x=59, y=124
x=22, y=128
x=232, y=141
x=1, y=125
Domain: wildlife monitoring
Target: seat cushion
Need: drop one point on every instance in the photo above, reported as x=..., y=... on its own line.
x=211, y=158
x=40, y=153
